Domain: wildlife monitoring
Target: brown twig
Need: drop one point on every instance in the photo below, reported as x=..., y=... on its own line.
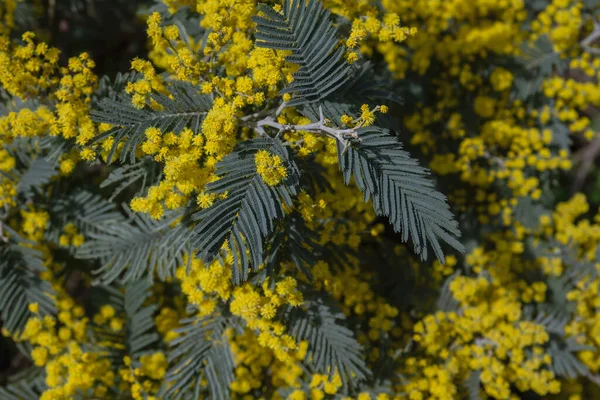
x=585, y=159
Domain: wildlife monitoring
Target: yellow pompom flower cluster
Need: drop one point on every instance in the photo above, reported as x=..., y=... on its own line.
x=257, y=365
x=568, y=227
x=572, y=98
x=561, y=20
x=469, y=117
x=166, y=323
x=175, y=5
x=183, y=173
x=7, y=15
x=219, y=128
x=142, y=378
x=71, y=237
x=266, y=65
x=204, y=286
x=489, y=326
x=322, y=385
x=501, y=79
x=8, y=191
x=74, y=95
x=357, y=299
x=141, y=90
x=380, y=31
x=207, y=287
x=259, y=310
x=270, y=167
x=32, y=69
x=487, y=336
x=170, y=52
x=25, y=123
x=34, y=224
x=58, y=348
x=28, y=69
x=107, y=315
x=224, y=18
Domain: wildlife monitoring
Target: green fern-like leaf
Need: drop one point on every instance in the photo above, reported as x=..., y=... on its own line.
x=539, y=60
x=304, y=29
x=528, y=212
x=541, y=55
x=19, y=391
x=37, y=174
x=554, y=321
x=187, y=108
x=400, y=190
x=111, y=88
x=88, y=211
x=140, y=175
x=200, y=350
x=27, y=385
x=139, y=335
x=472, y=385
x=295, y=242
x=135, y=248
x=140, y=330
x=246, y=216
x=565, y=363
x=20, y=285
x=364, y=84
x=53, y=147
x=332, y=347
x=563, y=350
x=446, y=301
x=31, y=171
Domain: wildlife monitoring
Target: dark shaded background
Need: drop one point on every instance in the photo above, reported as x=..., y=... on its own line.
x=112, y=32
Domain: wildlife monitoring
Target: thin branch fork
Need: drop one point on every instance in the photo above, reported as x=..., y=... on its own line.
x=320, y=127
x=264, y=113
x=587, y=42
